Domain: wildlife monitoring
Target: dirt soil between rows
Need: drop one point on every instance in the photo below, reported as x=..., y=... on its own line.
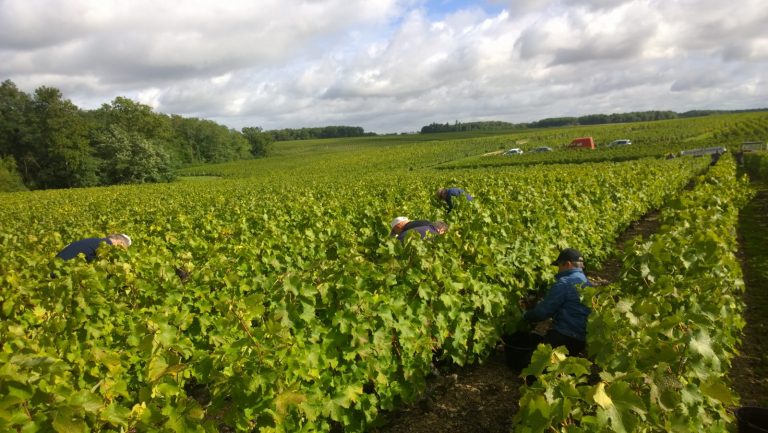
x=749, y=372
x=483, y=398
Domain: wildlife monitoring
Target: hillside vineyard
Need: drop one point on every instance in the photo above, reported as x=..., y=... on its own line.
x=298, y=312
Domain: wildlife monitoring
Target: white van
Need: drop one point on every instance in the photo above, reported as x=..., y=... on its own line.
x=623, y=142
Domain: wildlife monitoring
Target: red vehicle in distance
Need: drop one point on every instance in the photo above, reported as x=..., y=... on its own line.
x=582, y=143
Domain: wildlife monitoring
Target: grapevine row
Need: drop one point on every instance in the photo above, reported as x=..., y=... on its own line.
x=300, y=313
x=660, y=340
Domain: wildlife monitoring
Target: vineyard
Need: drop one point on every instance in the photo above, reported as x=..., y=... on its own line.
x=268, y=296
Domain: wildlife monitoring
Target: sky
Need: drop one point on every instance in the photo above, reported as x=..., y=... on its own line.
x=390, y=65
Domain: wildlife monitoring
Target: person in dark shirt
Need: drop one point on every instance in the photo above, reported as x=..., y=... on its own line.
x=397, y=225
x=739, y=158
x=401, y=224
x=715, y=157
x=424, y=229
x=88, y=246
x=563, y=304
x=447, y=194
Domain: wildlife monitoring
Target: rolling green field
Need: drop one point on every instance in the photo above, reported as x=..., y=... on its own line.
x=297, y=311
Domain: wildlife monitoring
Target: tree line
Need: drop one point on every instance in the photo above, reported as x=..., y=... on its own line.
x=457, y=126
x=318, y=132
x=46, y=141
x=590, y=119
x=599, y=119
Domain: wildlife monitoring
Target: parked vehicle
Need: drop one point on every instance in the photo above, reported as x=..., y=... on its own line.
x=514, y=151
x=752, y=146
x=703, y=151
x=582, y=143
x=542, y=149
x=617, y=143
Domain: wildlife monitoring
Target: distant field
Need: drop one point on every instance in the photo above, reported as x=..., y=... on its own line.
x=198, y=177
x=467, y=150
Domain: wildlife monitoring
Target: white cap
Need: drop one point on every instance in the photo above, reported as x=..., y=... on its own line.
x=397, y=221
x=127, y=239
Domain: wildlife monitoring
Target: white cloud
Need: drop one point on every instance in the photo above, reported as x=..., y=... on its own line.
x=149, y=97
x=390, y=65
x=34, y=24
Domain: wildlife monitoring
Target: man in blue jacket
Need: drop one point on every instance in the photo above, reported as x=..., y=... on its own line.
x=446, y=195
x=88, y=246
x=563, y=304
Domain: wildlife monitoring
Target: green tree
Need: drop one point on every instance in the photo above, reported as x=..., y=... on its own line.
x=593, y=119
x=181, y=146
x=211, y=142
x=58, y=143
x=128, y=157
x=10, y=179
x=137, y=118
x=258, y=139
x=134, y=117
x=14, y=105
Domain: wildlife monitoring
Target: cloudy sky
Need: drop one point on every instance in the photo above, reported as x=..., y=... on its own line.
x=390, y=65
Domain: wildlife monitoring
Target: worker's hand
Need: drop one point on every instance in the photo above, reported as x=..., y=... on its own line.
x=542, y=327
x=523, y=326
x=527, y=302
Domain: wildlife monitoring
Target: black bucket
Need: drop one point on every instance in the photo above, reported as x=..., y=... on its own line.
x=752, y=419
x=519, y=347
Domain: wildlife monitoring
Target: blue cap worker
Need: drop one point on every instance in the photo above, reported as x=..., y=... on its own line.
x=563, y=304
x=88, y=246
x=446, y=195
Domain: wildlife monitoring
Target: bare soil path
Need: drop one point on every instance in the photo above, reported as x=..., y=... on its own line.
x=749, y=372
